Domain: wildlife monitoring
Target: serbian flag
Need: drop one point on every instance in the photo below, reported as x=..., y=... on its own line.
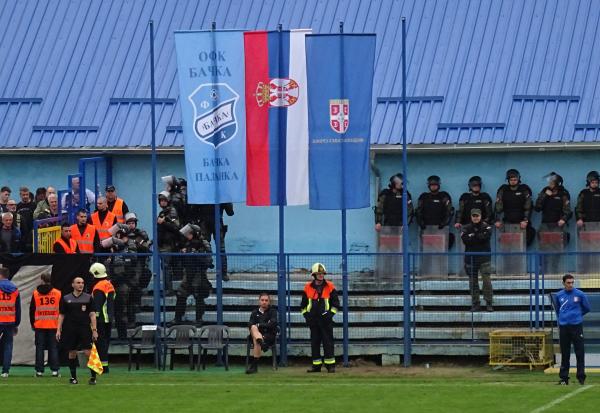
x=276, y=118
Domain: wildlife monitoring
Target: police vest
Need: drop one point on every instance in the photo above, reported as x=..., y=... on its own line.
x=514, y=203
x=434, y=206
x=69, y=249
x=392, y=207
x=8, y=306
x=46, y=309
x=591, y=205
x=552, y=210
x=84, y=241
x=314, y=299
x=117, y=210
x=104, y=226
x=106, y=288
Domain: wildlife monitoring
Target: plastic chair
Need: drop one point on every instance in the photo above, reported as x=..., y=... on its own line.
x=148, y=334
x=184, y=339
x=216, y=338
x=250, y=345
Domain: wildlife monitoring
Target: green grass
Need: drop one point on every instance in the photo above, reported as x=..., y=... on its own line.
x=359, y=389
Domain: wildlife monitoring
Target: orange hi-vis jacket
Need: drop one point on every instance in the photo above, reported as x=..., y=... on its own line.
x=69, y=249
x=107, y=288
x=85, y=241
x=117, y=210
x=46, y=309
x=8, y=307
x=103, y=227
x=316, y=304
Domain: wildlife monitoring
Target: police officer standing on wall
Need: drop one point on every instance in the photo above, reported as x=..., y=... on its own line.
x=474, y=199
x=319, y=304
x=554, y=202
x=571, y=305
x=588, y=201
x=435, y=207
x=388, y=211
x=168, y=235
x=514, y=205
x=476, y=237
x=103, y=294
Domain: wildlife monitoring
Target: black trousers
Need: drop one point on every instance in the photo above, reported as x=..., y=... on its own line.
x=45, y=339
x=321, y=333
x=103, y=341
x=571, y=334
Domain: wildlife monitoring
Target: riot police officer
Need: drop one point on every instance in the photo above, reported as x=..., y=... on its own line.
x=434, y=207
x=140, y=274
x=168, y=235
x=554, y=202
x=474, y=199
x=514, y=205
x=588, y=201
x=388, y=211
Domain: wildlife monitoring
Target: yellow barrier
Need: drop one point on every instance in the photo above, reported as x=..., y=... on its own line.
x=521, y=348
x=46, y=238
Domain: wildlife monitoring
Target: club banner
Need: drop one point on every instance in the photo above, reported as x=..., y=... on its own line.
x=340, y=71
x=210, y=67
x=277, y=118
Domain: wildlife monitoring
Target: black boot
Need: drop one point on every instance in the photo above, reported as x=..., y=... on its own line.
x=253, y=367
x=316, y=368
x=330, y=368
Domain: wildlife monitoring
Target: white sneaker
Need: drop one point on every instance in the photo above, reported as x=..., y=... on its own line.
x=39, y=374
x=4, y=375
x=55, y=374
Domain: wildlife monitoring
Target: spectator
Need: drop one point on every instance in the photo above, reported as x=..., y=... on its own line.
x=85, y=234
x=25, y=209
x=52, y=210
x=10, y=237
x=263, y=329
x=103, y=219
x=40, y=195
x=116, y=205
x=43, y=315
x=10, y=317
x=4, y=196
x=65, y=244
x=12, y=208
x=72, y=198
x=43, y=204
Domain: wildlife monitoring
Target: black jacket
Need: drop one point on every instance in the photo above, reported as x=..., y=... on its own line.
x=476, y=238
x=266, y=322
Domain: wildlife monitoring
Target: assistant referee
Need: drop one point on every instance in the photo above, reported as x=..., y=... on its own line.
x=77, y=326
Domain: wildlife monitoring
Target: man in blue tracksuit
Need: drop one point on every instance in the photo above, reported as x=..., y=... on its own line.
x=571, y=305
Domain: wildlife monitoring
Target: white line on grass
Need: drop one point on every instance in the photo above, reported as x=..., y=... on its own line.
x=561, y=399
x=242, y=384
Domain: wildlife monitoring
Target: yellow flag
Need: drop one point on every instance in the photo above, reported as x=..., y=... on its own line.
x=94, y=362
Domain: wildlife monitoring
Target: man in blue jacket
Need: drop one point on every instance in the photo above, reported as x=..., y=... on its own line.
x=10, y=317
x=571, y=305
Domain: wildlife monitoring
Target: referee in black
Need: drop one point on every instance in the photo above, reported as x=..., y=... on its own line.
x=77, y=326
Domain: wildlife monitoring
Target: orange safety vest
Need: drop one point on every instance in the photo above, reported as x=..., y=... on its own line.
x=46, y=309
x=69, y=249
x=84, y=241
x=313, y=295
x=106, y=287
x=8, y=307
x=117, y=210
x=103, y=227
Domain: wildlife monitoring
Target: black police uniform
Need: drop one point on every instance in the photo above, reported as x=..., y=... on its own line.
x=476, y=238
x=514, y=205
x=469, y=201
x=388, y=211
x=554, y=207
x=588, y=205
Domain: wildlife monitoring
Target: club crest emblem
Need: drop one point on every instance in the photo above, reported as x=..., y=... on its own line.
x=277, y=93
x=339, y=114
x=214, y=113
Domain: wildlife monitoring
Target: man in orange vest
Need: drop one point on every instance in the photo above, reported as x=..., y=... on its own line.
x=10, y=318
x=103, y=219
x=43, y=315
x=85, y=234
x=103, y=294
x=65, y=244
x=116, y=205
x=319, y=304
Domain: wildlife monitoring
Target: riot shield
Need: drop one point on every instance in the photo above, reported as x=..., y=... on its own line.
x=389, y=267
x=511, y=239
x=458, y=260
x=588, y=242
x=551, y=241
x=434, y=240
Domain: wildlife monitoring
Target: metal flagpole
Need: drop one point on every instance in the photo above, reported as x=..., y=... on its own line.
x=405, y=261
x=155, y=257
x=344, y=230
x=281, y=281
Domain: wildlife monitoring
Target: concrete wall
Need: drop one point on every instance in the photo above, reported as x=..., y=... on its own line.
x=255, y=229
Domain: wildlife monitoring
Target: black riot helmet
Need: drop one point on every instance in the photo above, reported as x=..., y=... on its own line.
x=592, y=176
x=556, y=178
x=434, y=180
x=513, y=173
x=475, y=180
x=394, y=179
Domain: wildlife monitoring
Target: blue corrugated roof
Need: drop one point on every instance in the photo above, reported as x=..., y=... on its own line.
x=75, y=74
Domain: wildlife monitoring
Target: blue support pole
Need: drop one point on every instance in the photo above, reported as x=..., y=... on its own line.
x=405, y=263
x=539, y=265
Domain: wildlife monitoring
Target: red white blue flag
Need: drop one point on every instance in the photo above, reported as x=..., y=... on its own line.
x=276, y=118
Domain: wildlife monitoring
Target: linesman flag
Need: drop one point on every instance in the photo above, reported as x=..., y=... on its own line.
x=340, y=69
x=276, y=118
x=94, y=362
